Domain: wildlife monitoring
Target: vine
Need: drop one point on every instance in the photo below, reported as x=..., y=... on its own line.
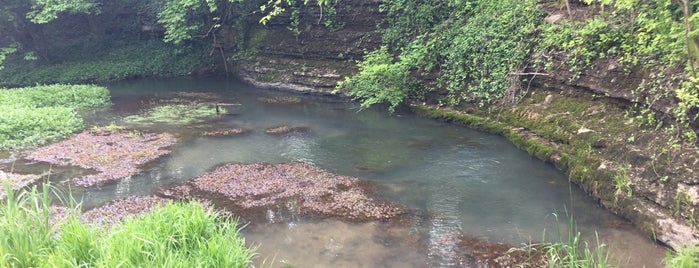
x=470, y=46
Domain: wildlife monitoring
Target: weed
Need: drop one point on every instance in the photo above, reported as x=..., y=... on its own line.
x=569, y=251
x=622, y=183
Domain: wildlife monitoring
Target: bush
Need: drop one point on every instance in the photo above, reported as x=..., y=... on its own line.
x=380, y=80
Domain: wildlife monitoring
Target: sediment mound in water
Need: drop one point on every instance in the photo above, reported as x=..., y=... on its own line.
x=284, y=129
x=279, y=100
x=16, y=181
x=263, y=186
x=118, y=210
x=114, y=154
x=226, y=132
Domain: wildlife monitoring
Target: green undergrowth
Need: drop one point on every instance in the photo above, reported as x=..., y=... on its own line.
x=41, y=114
x=174, y=235
x=469, y=48
x=103, y=62
x=176, y=114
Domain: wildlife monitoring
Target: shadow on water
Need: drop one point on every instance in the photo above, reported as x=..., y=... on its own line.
x=469, y=183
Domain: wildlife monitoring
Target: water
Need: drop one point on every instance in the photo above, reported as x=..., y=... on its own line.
x=458, y=181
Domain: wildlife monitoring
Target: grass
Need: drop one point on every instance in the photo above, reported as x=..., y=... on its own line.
x=36, y=115
x=575, y=252
x=174, y=235
x=686, y=257
x=569, y=251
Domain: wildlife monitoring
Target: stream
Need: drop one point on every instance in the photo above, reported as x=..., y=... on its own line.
x=454, y=180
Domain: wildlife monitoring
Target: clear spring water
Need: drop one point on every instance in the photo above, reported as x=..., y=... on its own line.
x=469, y=182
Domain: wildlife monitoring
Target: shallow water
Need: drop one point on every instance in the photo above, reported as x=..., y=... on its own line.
x=465, y=181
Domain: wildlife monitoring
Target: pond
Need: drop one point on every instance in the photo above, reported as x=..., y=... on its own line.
x=455, y=182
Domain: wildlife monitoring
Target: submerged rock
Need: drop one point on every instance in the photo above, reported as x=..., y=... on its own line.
x=15, y=181
x=301, y=187
x=279, y=100
x=226, y=132
x=177, y=114
x=193, y=97
x=117, y=211
x=114, y=155
x=284, y=129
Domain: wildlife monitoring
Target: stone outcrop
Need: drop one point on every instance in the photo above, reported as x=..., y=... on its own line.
x=316, y=58
x=660, y=167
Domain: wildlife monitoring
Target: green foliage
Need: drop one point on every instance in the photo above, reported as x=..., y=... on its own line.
x=106, y=62
x=41, y=114
x=688, y=96
x=635, y=32
x=570, y=250
x=622, y=183
x=25, y=232
x=274, y=8
x=177, y=114
x=175, y=235
x=3, y=54
x=180, y=18
x=380, y=79
x=21, y=127
x=72, y=96
x=409, y=18
x=471, y=46
x=495, y=40
x=685, y=257
x=44, y=11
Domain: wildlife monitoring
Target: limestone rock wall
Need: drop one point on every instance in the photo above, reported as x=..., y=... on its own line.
x=314, y=60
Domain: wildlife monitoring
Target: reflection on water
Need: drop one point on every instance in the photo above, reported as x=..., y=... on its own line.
x=469, y=182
